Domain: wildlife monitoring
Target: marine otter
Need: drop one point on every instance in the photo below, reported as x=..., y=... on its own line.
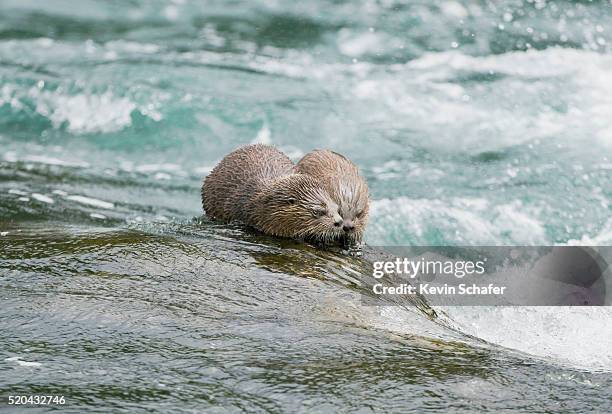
x=340, y=177
x=259, y=186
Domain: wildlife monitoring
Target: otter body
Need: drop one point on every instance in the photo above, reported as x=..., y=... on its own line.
x=232, y=185
x=260, y=186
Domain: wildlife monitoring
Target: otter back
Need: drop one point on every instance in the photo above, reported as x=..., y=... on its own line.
x=239, y=177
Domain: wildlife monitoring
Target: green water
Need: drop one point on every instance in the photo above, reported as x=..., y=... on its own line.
x=483, y=122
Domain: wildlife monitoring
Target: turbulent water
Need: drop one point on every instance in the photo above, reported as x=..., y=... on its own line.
x=474, y=122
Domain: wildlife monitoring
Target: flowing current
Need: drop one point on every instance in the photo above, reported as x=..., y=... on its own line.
x=474, y=122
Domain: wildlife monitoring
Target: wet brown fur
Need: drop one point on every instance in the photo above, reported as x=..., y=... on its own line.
x=259, y=185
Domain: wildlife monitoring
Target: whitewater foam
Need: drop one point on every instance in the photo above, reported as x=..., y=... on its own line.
x=93, y=202
x=576, y=336
x=471, y=221
x=23, y=363
x=85, y=113
x=429, y=94
x=42, y=198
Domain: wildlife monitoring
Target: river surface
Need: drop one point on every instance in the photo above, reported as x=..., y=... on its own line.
x=474, y=122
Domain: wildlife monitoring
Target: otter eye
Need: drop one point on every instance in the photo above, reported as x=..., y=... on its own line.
x=291, y=201
x=318, y=212
x=360, y=214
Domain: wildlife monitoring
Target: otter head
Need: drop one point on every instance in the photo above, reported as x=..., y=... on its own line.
x=347, y=188
x=299, y=206
x=350, y=192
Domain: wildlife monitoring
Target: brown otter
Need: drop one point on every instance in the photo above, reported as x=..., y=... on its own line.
x=259, y=186
x=340, y=177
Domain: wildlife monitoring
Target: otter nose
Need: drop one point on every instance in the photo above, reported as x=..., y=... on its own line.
x=348, y=226
x=337, y=220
